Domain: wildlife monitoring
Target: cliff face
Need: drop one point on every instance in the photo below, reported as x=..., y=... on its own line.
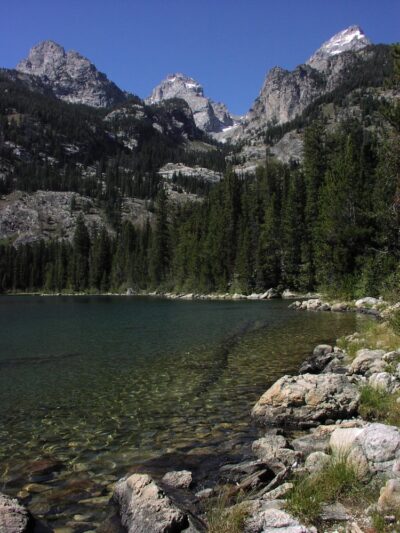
x=285, y=94
x=72, y=77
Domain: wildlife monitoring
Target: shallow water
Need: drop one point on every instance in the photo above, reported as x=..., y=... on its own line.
x=95, y=386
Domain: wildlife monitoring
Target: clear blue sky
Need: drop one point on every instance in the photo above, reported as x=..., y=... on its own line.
x=227, y=45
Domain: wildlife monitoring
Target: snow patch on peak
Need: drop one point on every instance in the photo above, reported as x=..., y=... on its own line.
x=350, y=39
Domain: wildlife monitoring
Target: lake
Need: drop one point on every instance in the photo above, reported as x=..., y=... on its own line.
x=91, y=387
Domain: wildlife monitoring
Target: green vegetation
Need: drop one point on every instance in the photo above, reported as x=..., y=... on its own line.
x=57, y=146
x=382, y=525
x=332, y=223
x=338, y=481
x=379, y=406
x=373, y=335
x=315, y=226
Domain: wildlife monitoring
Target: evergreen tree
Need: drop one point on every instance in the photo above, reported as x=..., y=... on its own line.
x=80, y=263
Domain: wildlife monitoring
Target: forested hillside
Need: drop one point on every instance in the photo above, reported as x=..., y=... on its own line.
x=331, y=222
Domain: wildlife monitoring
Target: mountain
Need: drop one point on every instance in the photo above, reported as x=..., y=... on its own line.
x=346, y=62
x=351, y=39
x=209, y=116
x=285, y=94
x=157, y=203
x=71, y=77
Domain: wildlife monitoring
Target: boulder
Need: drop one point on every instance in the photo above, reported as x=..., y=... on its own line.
x=181, y=479
x=273, y=447
x=342, y=439
x=145, y=508
x=313, y=304
x=367, y=301
x=311, y=443
x=375, y=448
x=340, y=307
x=316, y=461
x=253, y=296
x=275, y=520
x=324, y=307
x=307, y=400
x=321, y=357
x=384, y=381
x=389, y=499
x=269, y=294
x=391, y=357
x=14, y=518
x=130, y=291
x=238, y=296
x=295, y=305
x=368, y=362
x=287, y=293
x=380, y=445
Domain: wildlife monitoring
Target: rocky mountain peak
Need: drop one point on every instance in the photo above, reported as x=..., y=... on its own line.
x=351, y=39
x=43, y=59
x=175, y=86
x=71, y=76
x=209, y=116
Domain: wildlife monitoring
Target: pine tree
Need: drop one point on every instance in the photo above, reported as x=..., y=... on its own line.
x=80, y=263
x=160, y=250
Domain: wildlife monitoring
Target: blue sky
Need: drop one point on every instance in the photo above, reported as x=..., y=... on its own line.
x=227, y=45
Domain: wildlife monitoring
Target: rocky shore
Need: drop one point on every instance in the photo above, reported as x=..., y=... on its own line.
x=317, y=425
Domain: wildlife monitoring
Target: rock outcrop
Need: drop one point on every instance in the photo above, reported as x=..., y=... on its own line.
x=49, y=215
x=170, y=170
x=145, y=508
x=71, y=76
x=307, y=400
x=209, y=116
x=285, y=94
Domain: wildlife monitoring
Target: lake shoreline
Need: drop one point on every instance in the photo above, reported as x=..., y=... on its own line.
x=331, y=433
x=208, y=363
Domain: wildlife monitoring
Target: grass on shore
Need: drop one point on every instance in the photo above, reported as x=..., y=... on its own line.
x=338, y=481
x=381, y=524
x=225, y=515
x=379, y=406
x=374, y=335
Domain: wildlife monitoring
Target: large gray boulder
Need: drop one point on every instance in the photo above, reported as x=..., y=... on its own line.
x=145, y=508
x=374, y=448
x=307, y=400
x=368, y=362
